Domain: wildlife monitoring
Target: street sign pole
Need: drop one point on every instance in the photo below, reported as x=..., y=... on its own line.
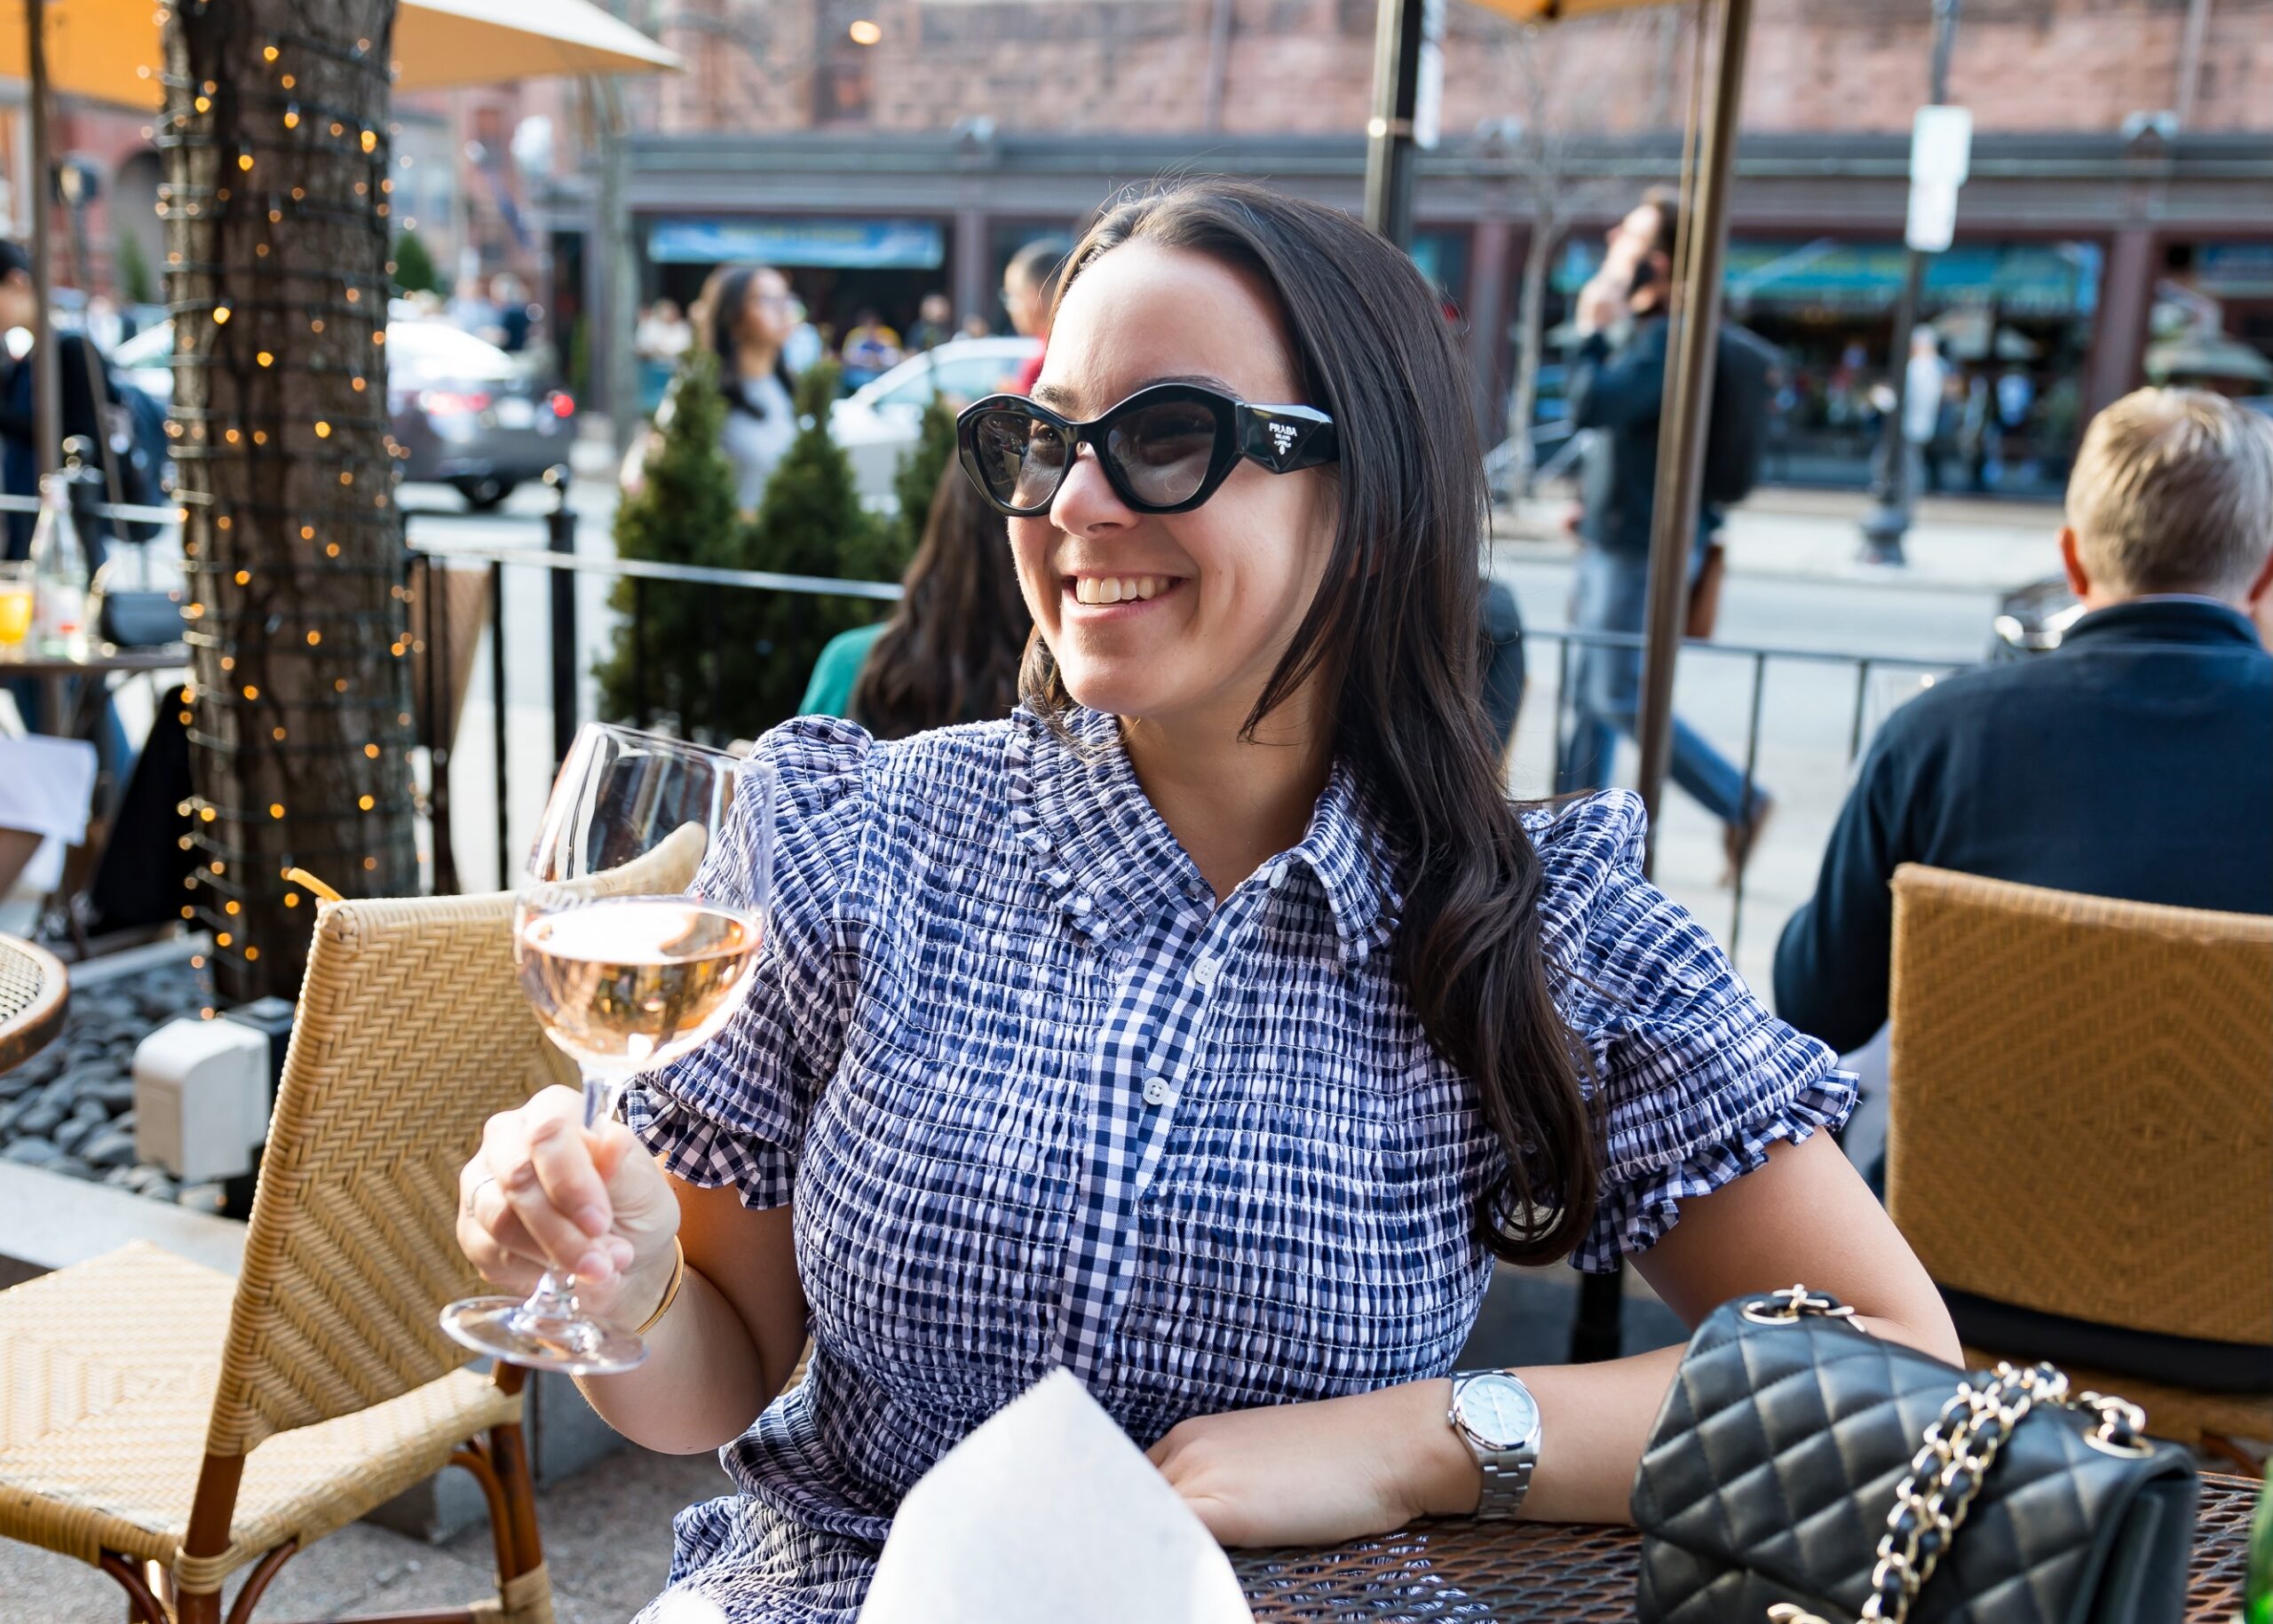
x=1408, y=78
x=1933, y=211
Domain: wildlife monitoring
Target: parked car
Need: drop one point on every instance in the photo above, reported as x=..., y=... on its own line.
x=879, y=422
x=464, y=412
x=2033, y=619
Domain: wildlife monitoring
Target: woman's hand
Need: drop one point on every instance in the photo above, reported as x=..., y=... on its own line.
x=1320, y=1473
x=545, y=1192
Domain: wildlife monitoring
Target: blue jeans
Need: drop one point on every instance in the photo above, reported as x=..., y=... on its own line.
x=1612, y=594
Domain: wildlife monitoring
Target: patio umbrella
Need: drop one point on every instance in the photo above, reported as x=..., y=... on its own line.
x=109, y=49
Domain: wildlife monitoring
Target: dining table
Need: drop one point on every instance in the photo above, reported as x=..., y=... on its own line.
x=1583, y=1574
x=73, y=685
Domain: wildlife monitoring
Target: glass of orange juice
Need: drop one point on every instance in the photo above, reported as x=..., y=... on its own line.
x=15, y=608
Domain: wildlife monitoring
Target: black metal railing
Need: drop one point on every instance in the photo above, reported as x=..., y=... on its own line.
x=563, y=564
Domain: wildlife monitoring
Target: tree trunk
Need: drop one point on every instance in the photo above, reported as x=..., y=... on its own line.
x=1539, y=257
x=277, y=157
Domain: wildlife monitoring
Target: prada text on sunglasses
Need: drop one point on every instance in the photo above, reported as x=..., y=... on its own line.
x=1164, y=449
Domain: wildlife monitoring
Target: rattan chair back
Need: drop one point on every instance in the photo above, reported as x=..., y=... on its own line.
x=411, y=1031
x=2079, y=1115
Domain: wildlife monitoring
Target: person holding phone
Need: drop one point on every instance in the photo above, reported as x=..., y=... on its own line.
x=1617, y=384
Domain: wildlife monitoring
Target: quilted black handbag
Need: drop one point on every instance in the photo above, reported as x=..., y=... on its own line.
x=1805, y=1472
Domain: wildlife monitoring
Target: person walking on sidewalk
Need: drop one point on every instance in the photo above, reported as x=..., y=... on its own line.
x=1617, y=380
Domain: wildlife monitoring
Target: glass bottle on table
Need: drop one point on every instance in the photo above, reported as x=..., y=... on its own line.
x=636, y=925
x=60, y=575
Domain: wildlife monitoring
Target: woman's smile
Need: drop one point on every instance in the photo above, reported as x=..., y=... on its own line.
x=1090, y=597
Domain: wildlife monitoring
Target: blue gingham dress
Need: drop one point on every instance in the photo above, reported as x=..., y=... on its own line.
x=1039, y=1100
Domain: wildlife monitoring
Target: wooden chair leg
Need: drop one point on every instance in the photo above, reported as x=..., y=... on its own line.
x=142, y=1607
x=509, y=1451
x=257, y=1581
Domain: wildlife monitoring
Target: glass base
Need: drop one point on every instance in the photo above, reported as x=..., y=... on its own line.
x=506, y=1329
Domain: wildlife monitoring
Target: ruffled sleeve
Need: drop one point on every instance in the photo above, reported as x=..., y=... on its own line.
x=1698, y=1078
x=734, y=1111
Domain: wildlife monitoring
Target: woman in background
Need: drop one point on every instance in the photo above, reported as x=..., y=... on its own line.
x=950, y=652
x=745, y=315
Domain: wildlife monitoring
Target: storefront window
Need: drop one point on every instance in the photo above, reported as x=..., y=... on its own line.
x=2014, y=324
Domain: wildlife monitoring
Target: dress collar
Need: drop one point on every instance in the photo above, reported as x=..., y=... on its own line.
x=1110, y=861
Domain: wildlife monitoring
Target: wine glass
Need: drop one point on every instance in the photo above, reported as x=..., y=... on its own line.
x=629, y=961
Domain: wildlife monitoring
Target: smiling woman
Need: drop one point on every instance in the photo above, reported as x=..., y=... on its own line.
x=1209, y=1026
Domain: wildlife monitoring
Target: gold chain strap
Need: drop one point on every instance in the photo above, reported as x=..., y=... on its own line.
x=1953, y=1461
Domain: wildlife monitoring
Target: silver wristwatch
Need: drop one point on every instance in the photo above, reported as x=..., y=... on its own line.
x=1495, y=1415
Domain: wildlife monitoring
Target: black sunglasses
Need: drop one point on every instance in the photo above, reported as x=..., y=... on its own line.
x=1164, y=449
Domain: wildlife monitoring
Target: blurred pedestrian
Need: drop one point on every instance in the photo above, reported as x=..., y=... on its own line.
x=1029, y=284
x=935, y=324
x=514, y=317
x=950, y=652
x=1617, y=384
x=2135, y=760
x=806, y=343
x=1921, y=409
x=870, y=350
x=745, y=315
x=974, y=326
x=662, y=333
x=469, y=311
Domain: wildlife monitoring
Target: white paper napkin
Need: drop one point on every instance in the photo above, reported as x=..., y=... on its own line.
x=1048, y=1513
x=46, y=786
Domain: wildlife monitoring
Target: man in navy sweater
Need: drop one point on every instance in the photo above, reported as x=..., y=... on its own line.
x=2134, y=761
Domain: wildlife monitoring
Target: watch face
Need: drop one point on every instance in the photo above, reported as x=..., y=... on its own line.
x=1499, y=1412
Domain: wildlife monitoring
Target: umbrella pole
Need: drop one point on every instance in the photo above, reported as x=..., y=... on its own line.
x=1391, y=153
x=47, y=389
x=1689, y=390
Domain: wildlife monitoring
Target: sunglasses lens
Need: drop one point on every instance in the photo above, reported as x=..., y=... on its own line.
x=1163, y=451
x=1021, y=459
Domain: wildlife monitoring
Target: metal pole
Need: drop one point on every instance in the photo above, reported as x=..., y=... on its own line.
x=1688, y=390
x=47, y=377
x=1389, y=149
x=560, y=537
x=506, y=878
x=613, y=312
x=1889, y=517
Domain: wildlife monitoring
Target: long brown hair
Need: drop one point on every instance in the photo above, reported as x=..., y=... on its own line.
x=1398, y=645
x=951, y=651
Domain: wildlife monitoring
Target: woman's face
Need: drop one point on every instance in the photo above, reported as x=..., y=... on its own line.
x=1208, y=600
x=766, y=306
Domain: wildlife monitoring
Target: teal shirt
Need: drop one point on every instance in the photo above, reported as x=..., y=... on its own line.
x=828, y=691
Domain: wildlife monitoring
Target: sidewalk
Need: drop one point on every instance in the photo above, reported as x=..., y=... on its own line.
x=1956, y=543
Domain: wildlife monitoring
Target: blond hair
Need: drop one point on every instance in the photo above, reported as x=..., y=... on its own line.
x=2172, y=492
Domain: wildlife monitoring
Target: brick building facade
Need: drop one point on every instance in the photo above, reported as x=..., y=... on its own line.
x=1303, y=66
x=2123, y=147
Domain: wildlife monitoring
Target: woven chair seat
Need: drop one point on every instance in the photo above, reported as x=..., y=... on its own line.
x=107, y=1371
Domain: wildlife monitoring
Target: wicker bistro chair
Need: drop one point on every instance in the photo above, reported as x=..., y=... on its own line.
x=319, y=1378
x=2081, y=1138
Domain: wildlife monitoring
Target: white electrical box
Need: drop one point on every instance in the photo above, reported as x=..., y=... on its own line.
x=200, y=1098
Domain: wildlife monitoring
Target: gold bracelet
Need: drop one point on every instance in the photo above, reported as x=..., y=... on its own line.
x=671, y=1292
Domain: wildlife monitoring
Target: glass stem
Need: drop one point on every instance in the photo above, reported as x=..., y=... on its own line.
x=554, y=1299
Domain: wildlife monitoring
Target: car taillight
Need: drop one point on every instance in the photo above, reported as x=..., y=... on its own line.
x=452, y=402
x=564, y=404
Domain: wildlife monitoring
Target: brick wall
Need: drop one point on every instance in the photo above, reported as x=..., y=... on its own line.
x=1304, y=65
